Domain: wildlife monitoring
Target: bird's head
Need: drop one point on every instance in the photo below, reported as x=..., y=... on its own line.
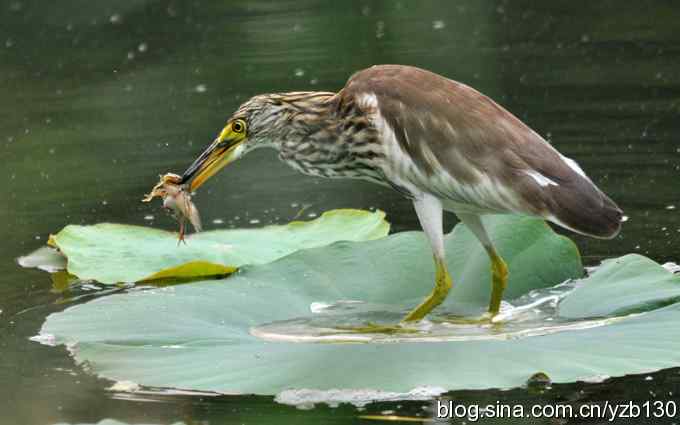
x=257, y=123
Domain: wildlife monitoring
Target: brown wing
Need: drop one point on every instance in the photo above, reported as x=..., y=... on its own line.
x=476, y=141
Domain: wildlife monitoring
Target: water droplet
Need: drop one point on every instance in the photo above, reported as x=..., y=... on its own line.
x=380, y=29
x=670, y=207
x=130, y=55
x=9, y=43
x=201, y=88
x=254, y=221
x=312, y=214
x=438, y=25
x=148, y=217
x=115, y=19
x=585, y=38
x=218, y=221
x=299, y=72
x=143, y=47
x=624, y=218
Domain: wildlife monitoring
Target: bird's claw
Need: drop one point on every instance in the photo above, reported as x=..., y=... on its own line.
x=374, y=328
x=484, y=319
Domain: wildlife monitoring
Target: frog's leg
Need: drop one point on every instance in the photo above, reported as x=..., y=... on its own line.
x=182, y=228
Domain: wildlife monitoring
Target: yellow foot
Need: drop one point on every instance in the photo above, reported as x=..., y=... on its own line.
x=374, y=328
x=484, y=319
x=499, y=281
x=441, y=289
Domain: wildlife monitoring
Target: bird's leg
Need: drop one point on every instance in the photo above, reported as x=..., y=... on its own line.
x=499, y=280
x=429, y=210
x=442, y=286
x=499, y=270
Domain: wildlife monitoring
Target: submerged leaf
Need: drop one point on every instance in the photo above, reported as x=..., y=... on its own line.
x=62, y=281
x=202, y=336
x=112, y=253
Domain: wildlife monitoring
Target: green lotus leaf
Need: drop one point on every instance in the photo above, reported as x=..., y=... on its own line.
x=44, y=258
x=222, y=335
x=629, y=284
x=112, y=253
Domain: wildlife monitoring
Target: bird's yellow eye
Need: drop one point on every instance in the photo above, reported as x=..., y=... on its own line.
x=238, y=126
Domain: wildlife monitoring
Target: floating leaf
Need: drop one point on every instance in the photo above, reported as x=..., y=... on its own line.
x=112, y=253
x=201, y=336
x=628, y=284
x=44, y=258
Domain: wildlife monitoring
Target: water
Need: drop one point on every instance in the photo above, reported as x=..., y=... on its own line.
x=98, y=98
x=533, y=314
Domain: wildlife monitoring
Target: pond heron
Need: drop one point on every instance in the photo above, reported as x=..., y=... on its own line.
x=439, y=142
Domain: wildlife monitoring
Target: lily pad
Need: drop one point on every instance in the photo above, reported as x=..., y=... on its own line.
x=112, y=253
x=44, y=258
x=201, y=336
x=630, y=284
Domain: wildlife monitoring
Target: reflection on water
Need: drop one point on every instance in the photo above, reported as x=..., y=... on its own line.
x=98, y=98
x=532, y=315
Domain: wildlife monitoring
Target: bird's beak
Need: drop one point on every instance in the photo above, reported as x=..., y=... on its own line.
x=226, y=148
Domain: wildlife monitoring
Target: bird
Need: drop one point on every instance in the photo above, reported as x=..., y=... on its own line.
x=440, y=143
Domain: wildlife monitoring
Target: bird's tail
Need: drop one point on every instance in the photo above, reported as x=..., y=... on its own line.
x=582, y=207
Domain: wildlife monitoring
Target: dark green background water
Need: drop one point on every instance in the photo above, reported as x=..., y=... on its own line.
x=99, y=97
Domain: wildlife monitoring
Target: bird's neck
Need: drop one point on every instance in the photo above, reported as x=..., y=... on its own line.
x=323, y=135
